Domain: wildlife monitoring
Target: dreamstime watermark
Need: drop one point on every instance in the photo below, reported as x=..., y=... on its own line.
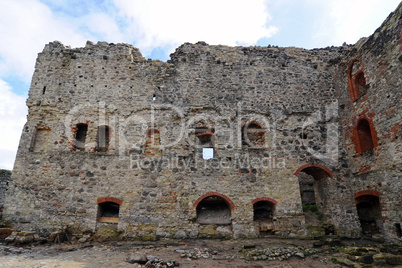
x=241, y=139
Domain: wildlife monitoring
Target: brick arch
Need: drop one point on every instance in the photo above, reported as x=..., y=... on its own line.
x=224, y=197
x=367, y=192
x=353, y=79
x=355, y=137
x=270, y=200
x=254, y=121
x=109, y=199
x=366, y=196
x=321, y=168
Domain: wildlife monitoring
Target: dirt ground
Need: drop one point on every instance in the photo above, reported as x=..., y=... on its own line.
x=225, y=253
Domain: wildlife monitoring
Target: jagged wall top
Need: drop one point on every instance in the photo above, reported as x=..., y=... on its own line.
x=101, y=48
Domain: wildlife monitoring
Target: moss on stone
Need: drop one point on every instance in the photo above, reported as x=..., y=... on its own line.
x=105, y=233
x=5, y=171
x=148, y=237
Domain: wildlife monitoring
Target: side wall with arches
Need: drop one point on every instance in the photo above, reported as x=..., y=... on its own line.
x=371, y=127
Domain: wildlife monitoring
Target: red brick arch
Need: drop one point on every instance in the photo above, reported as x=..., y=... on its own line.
x=270, y=200
x=353, y=79
x=224, y=197
x=355, y=137
x=367, y=192
x=110, y=199
x=318, y=166
x=366, y=195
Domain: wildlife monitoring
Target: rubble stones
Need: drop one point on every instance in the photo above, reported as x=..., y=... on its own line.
x=278, y=253
x=22, y=238
x=59, y=177
x=149, y=261
x=137, y=258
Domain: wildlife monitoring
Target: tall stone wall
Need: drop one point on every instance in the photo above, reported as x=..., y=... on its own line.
x=4, y=180
x=269, y=114
x=378, y=102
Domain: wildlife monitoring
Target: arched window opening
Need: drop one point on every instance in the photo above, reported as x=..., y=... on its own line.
x=263, y=211
x=263, y=215
x=103, y=139
x=253, y=135
x=306, y=184
x=313, y=185
x=213, y=210
x=80, y=136
x=204, y=135
x=153, y=142
x=364, y=135
x=360, y=82
x=369, y=212
x=356, y=79
x=205, y=139
x=108, y=212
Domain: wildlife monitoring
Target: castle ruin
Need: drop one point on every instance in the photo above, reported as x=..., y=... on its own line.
x=216, y=142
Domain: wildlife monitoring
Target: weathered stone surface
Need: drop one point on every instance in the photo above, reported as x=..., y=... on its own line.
x=137, y=258
x=105, y=234
x=114, y=141
x=393, y=259
x=5, y=176
x=180, y=235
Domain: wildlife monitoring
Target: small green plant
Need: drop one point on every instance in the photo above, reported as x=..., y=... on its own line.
x=5, y=171
x=5, y=224
x=338, y=248
x=336, y=261
x=320, y=215
x=311, y=208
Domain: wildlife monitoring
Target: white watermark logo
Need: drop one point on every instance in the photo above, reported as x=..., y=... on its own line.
x=164, y=136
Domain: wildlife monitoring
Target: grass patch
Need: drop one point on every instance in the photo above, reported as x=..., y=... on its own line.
x=311, y=208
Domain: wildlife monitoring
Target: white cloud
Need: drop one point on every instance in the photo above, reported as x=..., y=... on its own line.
x=160, y=23
x=25, y=27
x=348, y=21
x=104, y=25
x=13, y=116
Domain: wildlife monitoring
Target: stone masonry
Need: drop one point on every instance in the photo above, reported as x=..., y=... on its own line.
x=217, y=142
x=4, y=179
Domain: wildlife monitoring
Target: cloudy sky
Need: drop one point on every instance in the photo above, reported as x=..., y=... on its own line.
x=157, y=27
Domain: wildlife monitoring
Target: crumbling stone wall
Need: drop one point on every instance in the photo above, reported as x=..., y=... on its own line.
x=377, y=101
x=160, y=116
x=4, y=179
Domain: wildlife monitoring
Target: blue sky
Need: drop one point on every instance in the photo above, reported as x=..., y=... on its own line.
x=157, y=27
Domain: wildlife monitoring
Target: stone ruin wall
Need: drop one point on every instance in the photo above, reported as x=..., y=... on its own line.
x=221, y=88
x=5, y=176
x=378, y=171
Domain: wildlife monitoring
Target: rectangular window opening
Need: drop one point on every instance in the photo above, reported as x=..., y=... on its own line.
x=398, y=230
x=108, y=212
x=102, y=139
x=80, y=136
x=207, y=153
